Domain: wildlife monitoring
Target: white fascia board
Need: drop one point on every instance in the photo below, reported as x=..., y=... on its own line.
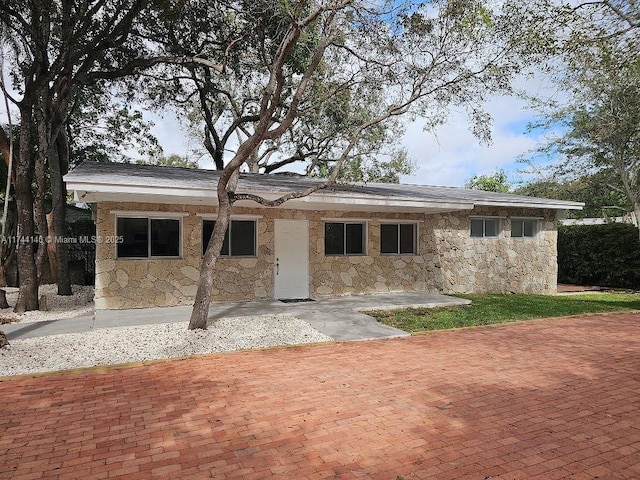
x=384, y=202
x=94, y=192
x=148, y=214
x=234, y=216
x=550, y=206
x=91, y=191
x=106, y=188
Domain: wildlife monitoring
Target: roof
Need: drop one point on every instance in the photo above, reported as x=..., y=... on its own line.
x=95, y=182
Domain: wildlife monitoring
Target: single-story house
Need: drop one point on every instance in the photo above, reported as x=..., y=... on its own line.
x=152, y=224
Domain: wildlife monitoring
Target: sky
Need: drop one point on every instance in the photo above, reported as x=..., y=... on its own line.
x=454, y=155
x=449, y=158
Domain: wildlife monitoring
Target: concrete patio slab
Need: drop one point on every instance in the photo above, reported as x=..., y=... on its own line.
x=338, y=317
x=48, y=327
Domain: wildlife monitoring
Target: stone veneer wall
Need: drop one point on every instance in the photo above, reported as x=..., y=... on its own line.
x=448, y=259
x=494, y=265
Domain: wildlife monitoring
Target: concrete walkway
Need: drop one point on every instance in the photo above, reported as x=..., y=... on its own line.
x=545, y=399
x=338, y=317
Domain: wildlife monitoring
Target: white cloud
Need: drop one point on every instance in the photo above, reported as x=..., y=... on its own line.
x=454, y=155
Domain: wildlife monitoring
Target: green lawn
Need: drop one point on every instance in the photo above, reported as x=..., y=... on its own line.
x=488, y=309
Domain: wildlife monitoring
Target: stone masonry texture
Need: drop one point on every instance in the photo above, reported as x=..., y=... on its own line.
x=448, y=259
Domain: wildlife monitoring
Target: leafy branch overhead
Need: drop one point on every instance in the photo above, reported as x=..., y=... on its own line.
x=324, y=83
x=350, y=70
x=597, y=69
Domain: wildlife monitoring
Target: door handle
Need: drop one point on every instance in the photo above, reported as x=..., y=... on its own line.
x=277, y=266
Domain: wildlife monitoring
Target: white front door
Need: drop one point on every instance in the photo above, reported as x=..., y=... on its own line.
x=291, y=238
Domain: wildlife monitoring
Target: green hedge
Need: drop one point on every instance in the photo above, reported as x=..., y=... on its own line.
x=606, y=255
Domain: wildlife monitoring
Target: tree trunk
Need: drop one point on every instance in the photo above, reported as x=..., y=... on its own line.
x=58, y=166
x=3, y=299
x=51, y=251
x=629, y=190
x=200, y=311
x=636, y=217
x=39, y=214
x=40, y=217
x=28, y=294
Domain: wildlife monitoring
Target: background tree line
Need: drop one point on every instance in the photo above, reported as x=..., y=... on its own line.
x=593, y=152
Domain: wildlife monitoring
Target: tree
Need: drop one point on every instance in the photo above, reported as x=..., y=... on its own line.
x=605, y=134
x=103, y=127
x=600, y=192
x=53, y=48
x=324, y=82
x=597, y=66
x=56, y=49
x=496, y=182
x=365, y=170
x=172, y=160
x=6, y=152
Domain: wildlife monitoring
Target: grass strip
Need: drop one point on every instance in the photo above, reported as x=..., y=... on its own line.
x=490, y=309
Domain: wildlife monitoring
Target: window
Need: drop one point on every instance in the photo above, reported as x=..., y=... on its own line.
x=524, y=228
x=148, y=237
x=485, y=227
x=344, y=238
x=239, y=239
x=397, y=238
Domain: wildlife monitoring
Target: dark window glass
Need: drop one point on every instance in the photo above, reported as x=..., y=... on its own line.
x=164, y=240
x=239, y=239
x=523, y=228
x=207, y=231
x=407, y=238
x=165, y=237
x=517, y=228
x=355, y=238
x=344, y=238
x=334, y=238
x=135, y=237
x=477, y=227
x=243, y=238
x=484, y=227
x=389, y=238
x=529, y=228
x=397, y=238
x=490, y=227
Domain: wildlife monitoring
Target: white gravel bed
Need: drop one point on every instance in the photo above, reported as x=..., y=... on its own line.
x=112, y=346
x=59, y=306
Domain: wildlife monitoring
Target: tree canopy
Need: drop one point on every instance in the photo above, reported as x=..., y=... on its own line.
x=496, y=182
x=597, y=68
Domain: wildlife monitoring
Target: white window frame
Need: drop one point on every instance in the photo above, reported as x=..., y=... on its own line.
x=416, y=236
x=484, y=226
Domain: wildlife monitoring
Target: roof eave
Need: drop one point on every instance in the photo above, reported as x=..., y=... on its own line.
x=91, y=191
x=551, y=205
x=96, y=192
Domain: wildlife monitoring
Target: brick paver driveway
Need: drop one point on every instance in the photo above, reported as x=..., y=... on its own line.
x=544, y=399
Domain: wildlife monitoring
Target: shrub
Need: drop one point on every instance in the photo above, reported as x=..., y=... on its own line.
x=605, y=255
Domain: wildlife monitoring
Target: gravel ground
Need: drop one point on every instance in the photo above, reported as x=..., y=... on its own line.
x=78, y=304
x=112, y=346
